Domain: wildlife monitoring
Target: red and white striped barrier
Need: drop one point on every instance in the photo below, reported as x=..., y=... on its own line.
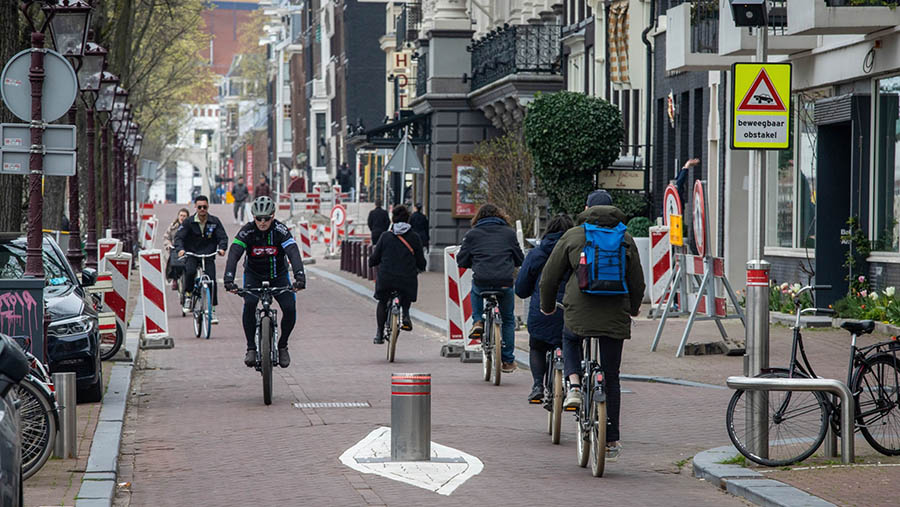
x=305, y=239
x=458, y=289
x=146, y=211
x=660, y=263
x=118, y=265
x=696, y=265
x=148, y=235
x=153, y=299
x=104, y=246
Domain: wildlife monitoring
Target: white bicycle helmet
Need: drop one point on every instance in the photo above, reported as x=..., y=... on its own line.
x=263, y=206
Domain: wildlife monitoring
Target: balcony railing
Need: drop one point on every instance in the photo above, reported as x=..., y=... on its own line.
x=705, y=26
x=514, y=49
x=861, y=3
x=407, y=28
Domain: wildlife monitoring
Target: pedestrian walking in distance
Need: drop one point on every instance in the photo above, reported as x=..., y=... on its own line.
x=598, y=302
x=378, y=221
x=240, y=193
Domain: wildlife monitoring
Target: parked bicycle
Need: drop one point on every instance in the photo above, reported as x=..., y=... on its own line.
x=266, y=332
x=39, y=416
x=110, y=343
x=492, y=341
x=797, y=420
x=393, y=325
x=590, y=418
x=201, y=297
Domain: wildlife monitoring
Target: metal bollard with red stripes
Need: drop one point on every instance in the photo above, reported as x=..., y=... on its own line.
x=411, y=417
x=371, y=270
x=357, y=255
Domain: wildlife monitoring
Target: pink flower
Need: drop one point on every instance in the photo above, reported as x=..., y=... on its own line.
x=861, y=279
x=863, y=293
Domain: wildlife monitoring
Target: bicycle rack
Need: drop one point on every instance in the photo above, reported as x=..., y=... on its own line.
x=832, y=386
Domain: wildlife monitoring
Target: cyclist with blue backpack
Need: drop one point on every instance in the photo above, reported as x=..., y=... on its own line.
x=491, y=250
x=602, y=296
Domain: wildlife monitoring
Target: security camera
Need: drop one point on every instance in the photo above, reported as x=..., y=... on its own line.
x=750, y=12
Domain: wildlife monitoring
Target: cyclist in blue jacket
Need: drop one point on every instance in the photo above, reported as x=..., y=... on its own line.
x=544, y=331
x=269, y=245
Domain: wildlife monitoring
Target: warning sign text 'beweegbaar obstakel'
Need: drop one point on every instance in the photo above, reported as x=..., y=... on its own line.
x=761, y=101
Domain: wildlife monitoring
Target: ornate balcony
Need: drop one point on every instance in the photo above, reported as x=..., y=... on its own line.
x=836, y=17
x=734, y=40
x=692, y=37
x=515, y=49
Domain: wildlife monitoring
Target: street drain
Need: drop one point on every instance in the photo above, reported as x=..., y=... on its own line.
x=333, y=404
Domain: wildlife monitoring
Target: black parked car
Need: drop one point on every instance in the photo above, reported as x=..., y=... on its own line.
x=13, y=368
x=73, y=341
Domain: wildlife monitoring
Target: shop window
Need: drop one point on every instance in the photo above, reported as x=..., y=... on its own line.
x=887, y=164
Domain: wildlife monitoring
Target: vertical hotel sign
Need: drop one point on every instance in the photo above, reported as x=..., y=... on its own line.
x=761, y=106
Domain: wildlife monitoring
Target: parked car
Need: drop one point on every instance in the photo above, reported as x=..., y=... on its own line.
x=73, y=341
x=13, y=368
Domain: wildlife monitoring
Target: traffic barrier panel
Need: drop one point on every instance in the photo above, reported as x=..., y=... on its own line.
x=305, y=240
x=660, y=262
x=118, y=265
x=458, y=287
x=153, y=300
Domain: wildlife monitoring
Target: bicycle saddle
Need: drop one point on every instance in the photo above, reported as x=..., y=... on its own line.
x=487, y=293
x=859, y=327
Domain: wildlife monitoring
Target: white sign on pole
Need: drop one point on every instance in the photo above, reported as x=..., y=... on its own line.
x=56, y=163
x=59, y=88
x=17, y=137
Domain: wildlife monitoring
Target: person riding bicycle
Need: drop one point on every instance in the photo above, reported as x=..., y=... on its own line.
x=492, y=251
x=201, y=234
x=607, y=317
x=544, y=331
x=174, y=269
x=269, y=245
x=399, y=257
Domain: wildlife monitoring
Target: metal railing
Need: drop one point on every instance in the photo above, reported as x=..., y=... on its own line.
x=861, y=3
x=832, y=386
x=705, y=26
x=513, y=49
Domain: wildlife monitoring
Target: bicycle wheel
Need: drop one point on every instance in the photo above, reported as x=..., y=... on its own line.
x=556, y=407
x=37, y=426
x=265, y=358
x=197, y=315
x=486, y=365
x=395, y=333
x=497, y=345
x=875, y=392
x=582, y=441
x=598, y=439
x=797, y=421
x=206, y=305
x=110, y=343
x=181, y=295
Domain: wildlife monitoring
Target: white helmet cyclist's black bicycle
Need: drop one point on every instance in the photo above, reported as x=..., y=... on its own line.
x=266, y=332
x=201, y=297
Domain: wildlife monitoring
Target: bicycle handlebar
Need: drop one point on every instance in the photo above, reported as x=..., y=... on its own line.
x=275, y=291
x=199, y=256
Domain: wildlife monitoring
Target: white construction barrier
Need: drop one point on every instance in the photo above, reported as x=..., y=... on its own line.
x=660, y=263
x=458, y=305
x=153, y=299
x=118, y=265
x=305, y=239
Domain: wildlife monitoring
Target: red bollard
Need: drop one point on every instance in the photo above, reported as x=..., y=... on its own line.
x=354, y=259
x=343, y=259
x=371, y=270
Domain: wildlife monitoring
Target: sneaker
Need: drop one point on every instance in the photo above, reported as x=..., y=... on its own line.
x=284, y=359
x=405, y=321
x=174, y=284
x=508, y=367
x=214, y=320
x=187, y=306
x=612, y=453
x=250, y=358
x=477, y=331
x=537, y=394
x=379, y=338
x=573, y=398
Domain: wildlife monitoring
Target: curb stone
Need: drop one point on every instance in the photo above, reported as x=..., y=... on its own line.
x=98, y=485
x=749, y=484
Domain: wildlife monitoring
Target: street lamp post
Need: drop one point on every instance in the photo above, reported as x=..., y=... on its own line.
x=91, y=83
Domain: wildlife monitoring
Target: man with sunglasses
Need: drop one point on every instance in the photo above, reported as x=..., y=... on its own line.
x=200, y=234
x=269, y=245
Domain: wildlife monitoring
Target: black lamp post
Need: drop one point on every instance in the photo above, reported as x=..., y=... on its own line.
x=118, y=124
x=105, y=101
x=91, y=78
x=69, y=25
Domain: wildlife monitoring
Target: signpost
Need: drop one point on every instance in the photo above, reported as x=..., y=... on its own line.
x=761, y=98
x=404, y=160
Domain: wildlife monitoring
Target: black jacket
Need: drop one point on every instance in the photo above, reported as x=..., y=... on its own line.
x=239, y=192
x=546, y=328
x=191, y=239
x=378, y=222
x=267, y=252
x=419, y=223
x=397, y=266
x=492, y=251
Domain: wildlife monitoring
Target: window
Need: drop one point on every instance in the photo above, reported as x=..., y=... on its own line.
x=286, y=130
x=887, y=164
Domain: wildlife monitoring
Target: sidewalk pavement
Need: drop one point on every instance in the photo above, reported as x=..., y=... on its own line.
x=58, y=482
x=872, y=481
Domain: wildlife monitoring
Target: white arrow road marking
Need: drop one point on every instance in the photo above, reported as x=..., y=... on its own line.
x=446, y=471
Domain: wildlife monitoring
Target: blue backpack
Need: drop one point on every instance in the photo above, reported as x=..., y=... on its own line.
x=601, y=269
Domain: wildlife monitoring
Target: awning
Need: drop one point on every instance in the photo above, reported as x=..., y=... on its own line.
x=390, y=134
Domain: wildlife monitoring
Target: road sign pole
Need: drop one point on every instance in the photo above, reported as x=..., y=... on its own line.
x=34, y=265
x=403, y=172
x=757, y=329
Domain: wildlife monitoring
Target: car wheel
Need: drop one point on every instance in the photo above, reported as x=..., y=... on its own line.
x=94, y=393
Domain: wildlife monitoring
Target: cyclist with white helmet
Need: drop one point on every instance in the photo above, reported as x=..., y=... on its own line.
x=269, y=246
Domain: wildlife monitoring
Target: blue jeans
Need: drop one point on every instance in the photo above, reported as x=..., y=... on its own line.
x=507, y=312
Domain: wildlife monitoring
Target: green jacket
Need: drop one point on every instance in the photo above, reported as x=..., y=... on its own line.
x=588, y=314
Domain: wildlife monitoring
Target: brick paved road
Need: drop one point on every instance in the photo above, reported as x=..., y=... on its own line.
x=199, y=434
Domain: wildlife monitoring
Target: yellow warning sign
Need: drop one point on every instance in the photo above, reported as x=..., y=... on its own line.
x=676, y=236
x=761, y=102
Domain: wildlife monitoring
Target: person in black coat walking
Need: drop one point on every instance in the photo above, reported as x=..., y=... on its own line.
x=419, y=223
x=544, y=331
x=399, y=257
x=378, y=221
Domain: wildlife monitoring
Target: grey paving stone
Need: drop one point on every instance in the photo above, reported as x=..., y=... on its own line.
x=769, y=493
x=105, y=447
x=101, y=490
